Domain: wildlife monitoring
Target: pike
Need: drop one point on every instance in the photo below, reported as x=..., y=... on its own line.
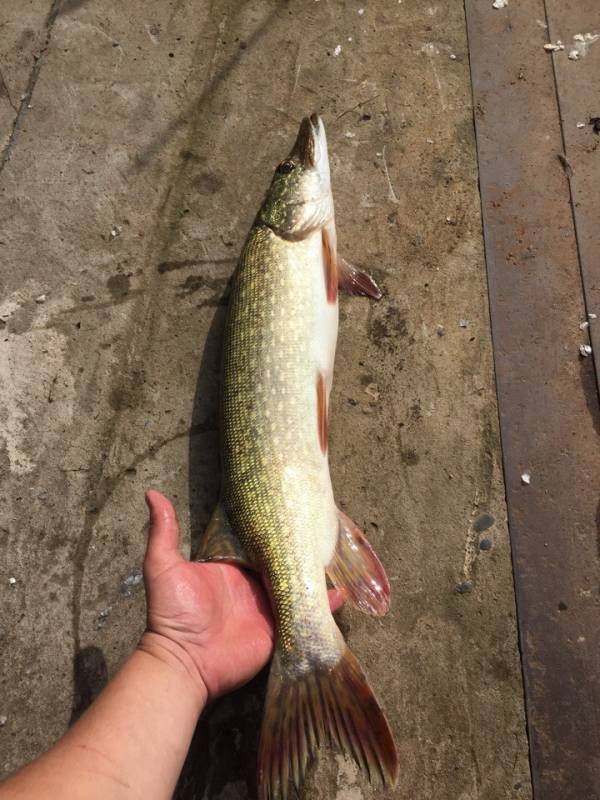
x=277, y=514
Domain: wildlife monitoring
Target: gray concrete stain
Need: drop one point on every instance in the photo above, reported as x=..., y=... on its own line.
x=110, y=386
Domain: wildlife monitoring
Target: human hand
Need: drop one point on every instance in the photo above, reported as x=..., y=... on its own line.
x=216, y=615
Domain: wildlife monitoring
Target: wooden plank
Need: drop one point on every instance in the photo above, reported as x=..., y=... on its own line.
x=578, y=88
x=547, y=394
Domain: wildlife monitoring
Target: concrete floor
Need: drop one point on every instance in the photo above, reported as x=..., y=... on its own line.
x=133, y=173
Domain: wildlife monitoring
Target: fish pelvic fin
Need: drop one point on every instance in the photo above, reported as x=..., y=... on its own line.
x=356, y=570
x=219, y=542
x=356, y=281
x=336, y=705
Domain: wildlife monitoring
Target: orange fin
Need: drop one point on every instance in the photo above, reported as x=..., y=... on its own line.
x=330, y=262
x=322, y=411
x=356, y=569
x=334, y=704
x=356, y=281
x=219, y=542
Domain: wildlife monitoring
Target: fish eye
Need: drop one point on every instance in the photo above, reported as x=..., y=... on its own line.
x=286, y=167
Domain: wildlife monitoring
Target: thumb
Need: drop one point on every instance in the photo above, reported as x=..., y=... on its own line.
x=162, y=550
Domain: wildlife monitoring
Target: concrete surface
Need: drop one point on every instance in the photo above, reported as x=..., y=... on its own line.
x=142, y=148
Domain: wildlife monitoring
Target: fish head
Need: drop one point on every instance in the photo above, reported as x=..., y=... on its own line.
x=299, y=198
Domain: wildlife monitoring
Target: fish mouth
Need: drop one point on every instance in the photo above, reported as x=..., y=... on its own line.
x=310, y=147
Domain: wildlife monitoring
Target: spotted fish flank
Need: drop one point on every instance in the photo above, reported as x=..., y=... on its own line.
x=276, y=513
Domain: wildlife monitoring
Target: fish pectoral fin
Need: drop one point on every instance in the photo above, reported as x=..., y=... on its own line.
x=356, y=570
x=356, y=281
x=302, y=711
x=219, y=543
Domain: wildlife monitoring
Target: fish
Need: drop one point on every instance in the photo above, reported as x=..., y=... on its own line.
x=276, y=512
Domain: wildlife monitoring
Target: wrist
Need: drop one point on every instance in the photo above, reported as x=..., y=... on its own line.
x=175, y=658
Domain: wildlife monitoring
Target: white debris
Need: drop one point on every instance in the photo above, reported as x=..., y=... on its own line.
x=131, y=582
x=373, y=391
x=500, y=3
x=585, y=350
x=429, y=141
x=582, y=43
x=526, y=478
x=542, y=24
x=592, y=316
x=453, y=56
x=463, y=323
x=337, y=50
x=350, y=135
x=554, y=48
x=12, y=580
x=581, y=124
x=584, y=325
x=349, y=38
x=103, y=616
x=41, y=299
x=3, y=720
x=115, y=231
x=361, y=11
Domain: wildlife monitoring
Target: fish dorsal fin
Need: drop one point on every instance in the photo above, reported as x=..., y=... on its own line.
x=219, y=543
x=356, y=570
x=356, y=281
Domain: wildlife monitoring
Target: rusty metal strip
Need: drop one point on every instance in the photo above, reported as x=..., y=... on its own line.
x=578, y=88
x=548, y=403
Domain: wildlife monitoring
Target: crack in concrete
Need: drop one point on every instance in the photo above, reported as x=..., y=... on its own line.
x=26, y=97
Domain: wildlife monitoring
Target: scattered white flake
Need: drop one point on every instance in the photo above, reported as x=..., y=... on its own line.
x=361, y=11
x=581, y=124
x=130, y=583
x=526, y=478
x=429, y=141
x=41, y=299
x=115, y=231
x=584, y=325
x=103, y=616
x=373, y=391
x=585, y=350
x=350, y=135
x=583, y=41
x=12, y=580
x=463, y=323
x=500, y=3
x=337, y=50
x=3, y=720
x=554, y=48
x=592, y=316
x=542, y=24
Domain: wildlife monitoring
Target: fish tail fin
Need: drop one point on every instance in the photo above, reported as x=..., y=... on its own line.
x=327, y=704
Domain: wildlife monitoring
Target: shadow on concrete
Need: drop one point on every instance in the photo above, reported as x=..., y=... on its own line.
x=224, y=749
x=145, y=156
x=225, y=744
x=90, y=676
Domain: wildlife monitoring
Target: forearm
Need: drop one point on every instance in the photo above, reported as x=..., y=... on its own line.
x=131, y=742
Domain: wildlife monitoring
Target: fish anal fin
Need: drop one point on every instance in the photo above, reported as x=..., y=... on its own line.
x=356, y=570
x=356, y=281
x=219, y=543
x=330, y=263
x=333, y=703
